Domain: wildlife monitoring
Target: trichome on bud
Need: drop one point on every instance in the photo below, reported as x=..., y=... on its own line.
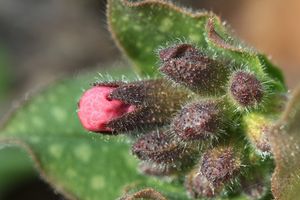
x=170, y=122
x=246, y=89
x=199, y=121
x=148, y=193
x=186, y=65
x=220, y=164
x=159, y=170
x=198, y=186
x=155, y=101
x=121, y=107
x=158, y=147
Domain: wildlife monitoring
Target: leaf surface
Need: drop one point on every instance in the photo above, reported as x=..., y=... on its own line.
x=79, y=164
x=141, y=28
x=285, y=141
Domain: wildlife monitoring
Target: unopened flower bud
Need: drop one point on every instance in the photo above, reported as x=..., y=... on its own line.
x=148, y=193
x=245, y=89
x=198, y=186
x=177, y=51
x=188, y=66
x=155, y=102
x=158, y=170
x=120, y=107
x=158, y=147
x=198, y=121
x=96, y=109
x=220, y=164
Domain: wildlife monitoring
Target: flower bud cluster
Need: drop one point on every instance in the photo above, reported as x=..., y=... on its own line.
x=202, y=122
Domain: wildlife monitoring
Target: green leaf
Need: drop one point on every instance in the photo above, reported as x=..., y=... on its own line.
x=140, y=28
x=272, y=70
x=79, y=164
x=285, y=141
x=15, y=167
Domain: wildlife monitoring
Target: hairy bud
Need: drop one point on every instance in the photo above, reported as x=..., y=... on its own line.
x=148, y=193
x=198, y=186
x=158, y=147
x=246, y=89
x=154, y=102
x=185, y=65
x=198, y=121
x=158, y=170
x=178, y=51
x=220, y=164
x=96, y=109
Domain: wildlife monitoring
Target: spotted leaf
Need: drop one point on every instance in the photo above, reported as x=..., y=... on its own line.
x=78, y=164
x=141, y=28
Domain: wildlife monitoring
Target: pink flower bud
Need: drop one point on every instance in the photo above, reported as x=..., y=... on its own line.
x=96, y=109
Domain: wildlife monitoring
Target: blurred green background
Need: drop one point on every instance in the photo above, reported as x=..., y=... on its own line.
x=46, y=39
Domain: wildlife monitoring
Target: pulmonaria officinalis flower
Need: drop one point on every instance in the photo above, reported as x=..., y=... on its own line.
x=189, y=128
x=119, y=107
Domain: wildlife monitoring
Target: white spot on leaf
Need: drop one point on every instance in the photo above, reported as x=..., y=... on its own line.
x=97, y=182
x=83, y=153
x=56, y=150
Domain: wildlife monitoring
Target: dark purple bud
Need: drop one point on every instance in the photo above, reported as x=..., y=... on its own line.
x=159, y=170
x=177, y=51
x=220, y=164
x=246, y=89
x=158, y=147
x=198, y=121
x=198, y=186
x=193, y=69
x=154, y=102
x=148, y=193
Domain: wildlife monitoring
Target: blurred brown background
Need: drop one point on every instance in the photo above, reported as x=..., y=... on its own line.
x=43, y=39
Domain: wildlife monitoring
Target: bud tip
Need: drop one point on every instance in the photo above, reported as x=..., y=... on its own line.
x=96, y=109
